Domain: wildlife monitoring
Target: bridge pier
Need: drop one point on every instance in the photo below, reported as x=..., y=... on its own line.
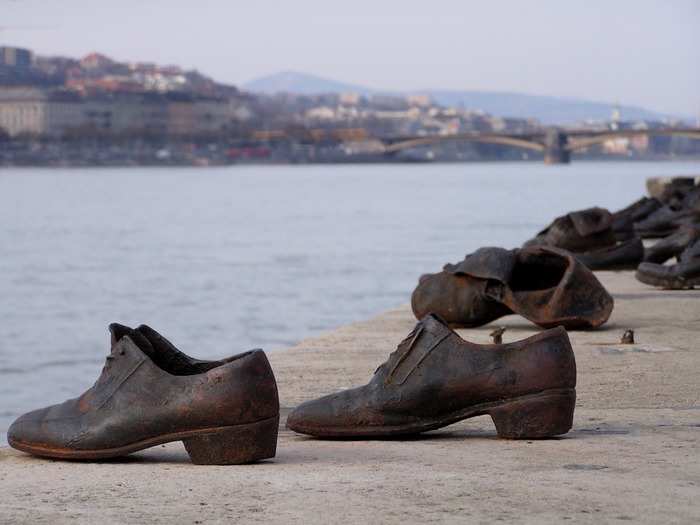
x=557, y=156
x=555, y=147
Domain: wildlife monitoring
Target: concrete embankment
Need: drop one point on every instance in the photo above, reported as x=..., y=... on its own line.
x=633, y=454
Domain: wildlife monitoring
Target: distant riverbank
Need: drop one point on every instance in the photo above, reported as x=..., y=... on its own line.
x=136, y=152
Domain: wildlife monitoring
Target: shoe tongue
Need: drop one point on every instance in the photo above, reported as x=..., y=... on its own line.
x=486, y=263
x=434, y=322
x=425, y=336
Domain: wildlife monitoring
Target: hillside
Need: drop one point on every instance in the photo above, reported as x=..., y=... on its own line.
x=547, y=109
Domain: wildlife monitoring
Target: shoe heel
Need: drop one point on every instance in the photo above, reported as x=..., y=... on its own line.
x=234, y=445
x=543, y=415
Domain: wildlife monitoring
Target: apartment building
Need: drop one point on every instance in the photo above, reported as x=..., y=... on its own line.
x=47, y=112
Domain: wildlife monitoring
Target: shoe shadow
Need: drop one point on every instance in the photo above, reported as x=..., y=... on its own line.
x=445, y=434
x=659, y=294
x=460, y=436
x=147, y=457
x=527, y=326
x=171, y=454
x=456, y=437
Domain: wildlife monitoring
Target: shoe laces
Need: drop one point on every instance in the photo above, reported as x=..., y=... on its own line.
x=110, y=359
x=409, y=340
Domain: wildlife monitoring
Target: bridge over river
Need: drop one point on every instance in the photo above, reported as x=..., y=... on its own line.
x=557, y=144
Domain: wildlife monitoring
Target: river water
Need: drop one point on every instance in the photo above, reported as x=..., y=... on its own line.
x=225, y=259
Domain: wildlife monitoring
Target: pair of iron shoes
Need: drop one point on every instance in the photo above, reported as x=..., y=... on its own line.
x=227, y=411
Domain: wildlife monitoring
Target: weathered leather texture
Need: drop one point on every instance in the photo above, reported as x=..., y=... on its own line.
x=434, y=373
x=578, y=231
x=134, y=399
x=543, y=284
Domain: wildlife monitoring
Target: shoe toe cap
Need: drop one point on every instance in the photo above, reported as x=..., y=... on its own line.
x=312, y=416
x=339, y=414
x=426, y=296
x=652, y=269
x=28, y=428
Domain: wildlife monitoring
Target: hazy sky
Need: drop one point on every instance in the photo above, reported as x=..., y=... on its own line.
x=638, y=52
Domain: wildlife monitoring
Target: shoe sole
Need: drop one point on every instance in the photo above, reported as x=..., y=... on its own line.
x=545, y=414
x=229, y=445
x=614, y=267
x=677, y=283
x=655, y=234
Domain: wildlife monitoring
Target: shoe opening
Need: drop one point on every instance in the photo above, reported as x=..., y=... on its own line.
x=538, y=272
x=163, y=353
x=167, y=357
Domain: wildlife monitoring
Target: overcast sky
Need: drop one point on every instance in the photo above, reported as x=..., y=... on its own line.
x=639, y=52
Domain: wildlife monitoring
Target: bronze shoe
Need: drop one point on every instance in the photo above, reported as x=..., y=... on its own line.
x=545, y=285
x=578, y=231
x=683, y=275
x=673, y=245
x=673, y=192
x=666, y=221
x=625, y=255
x=436, y=378
x=225, y=412
x=623, y=220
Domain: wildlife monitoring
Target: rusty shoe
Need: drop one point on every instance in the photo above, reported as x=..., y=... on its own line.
x=666, y=221
x=436, y=378
x=673, y=245
x=225, y=412
x=578, y=231
x=681, y=276
x=625, y=255
x=546, y=285
x=623, y=220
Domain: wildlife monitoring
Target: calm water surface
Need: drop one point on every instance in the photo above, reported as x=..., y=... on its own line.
x=224, y=259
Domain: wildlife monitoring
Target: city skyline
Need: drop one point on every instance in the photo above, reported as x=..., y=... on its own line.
x=641, y=53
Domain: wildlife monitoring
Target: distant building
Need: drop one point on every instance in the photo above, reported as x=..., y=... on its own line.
x=422, y=101
x=36, y=111
x=114, y=83
x=389, y=102
x=47, y=112
x=15, y=57
x=640, y=143
x=193, y=116
x=96, y=61
x=320, y=113
x=239, y=110
x=349, y=99
x=616, y=146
